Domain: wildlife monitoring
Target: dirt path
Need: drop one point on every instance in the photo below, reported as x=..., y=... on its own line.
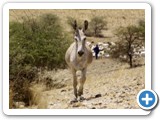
x=109, y=85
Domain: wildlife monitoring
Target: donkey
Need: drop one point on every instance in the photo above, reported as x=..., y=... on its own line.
x=78, y=57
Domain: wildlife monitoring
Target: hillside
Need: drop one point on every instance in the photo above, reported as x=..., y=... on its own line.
x=113, y=18
x=109, y=85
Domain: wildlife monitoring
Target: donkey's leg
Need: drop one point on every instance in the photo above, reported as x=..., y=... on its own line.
x=74, y=85
x=82, y=81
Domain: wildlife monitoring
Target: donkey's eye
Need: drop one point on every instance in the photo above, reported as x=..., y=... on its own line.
x=84, y=39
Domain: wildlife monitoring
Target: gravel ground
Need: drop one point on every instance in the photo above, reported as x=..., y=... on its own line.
x=109, y=85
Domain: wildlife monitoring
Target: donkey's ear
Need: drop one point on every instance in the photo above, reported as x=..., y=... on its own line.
x=85, y=25
x=74, y=25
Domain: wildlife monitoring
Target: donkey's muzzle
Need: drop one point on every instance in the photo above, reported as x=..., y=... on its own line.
x=80, y=53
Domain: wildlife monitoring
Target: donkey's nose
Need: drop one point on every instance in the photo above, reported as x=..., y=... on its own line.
x=80, y=53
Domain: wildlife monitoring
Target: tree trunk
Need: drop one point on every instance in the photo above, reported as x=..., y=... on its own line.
x=130, y=61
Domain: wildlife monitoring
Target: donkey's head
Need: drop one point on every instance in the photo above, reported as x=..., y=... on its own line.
x=80, y=37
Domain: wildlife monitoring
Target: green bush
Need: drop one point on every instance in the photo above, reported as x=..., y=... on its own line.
x=35, y=43
x=97, y=24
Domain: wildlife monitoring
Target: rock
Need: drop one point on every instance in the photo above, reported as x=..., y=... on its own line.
x=63, y=90
x=73, y=101
x=77, y=104
x=81, y=99
x=51, y=104
x=98, y=95
x=21, y=106
x=138, y=83
x=122, y=96
x=99, y=103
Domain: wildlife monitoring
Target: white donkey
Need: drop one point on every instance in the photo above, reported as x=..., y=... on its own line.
x=78, y=57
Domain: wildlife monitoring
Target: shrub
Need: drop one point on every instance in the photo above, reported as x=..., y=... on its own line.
x=97, y=24
x=35, y=43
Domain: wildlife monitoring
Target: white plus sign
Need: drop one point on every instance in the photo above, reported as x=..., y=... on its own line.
x=147, y=99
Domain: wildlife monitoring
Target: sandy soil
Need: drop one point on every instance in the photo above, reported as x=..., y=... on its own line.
x=109, y=85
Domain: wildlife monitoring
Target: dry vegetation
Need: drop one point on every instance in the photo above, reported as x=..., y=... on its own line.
x=110, y=83
x=114, y=18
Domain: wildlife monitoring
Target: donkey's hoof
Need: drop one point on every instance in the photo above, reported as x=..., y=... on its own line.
x=81, y=98
x=74, y=101
x=80, y=93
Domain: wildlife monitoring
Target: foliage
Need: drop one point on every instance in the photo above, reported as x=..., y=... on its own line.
x=129, y=37
x=97, y=24
x=35, y=43
x=142, y=29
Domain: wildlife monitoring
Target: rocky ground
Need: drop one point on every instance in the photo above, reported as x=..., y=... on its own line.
x=110, y=84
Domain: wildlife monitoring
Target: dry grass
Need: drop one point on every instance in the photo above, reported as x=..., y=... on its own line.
x=113, y=18
x=11, y=94
x=36, y=90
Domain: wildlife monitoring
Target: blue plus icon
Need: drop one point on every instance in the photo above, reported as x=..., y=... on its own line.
x=147, y=99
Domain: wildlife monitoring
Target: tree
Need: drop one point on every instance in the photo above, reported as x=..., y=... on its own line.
x=129, y=36
x=97, y=24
